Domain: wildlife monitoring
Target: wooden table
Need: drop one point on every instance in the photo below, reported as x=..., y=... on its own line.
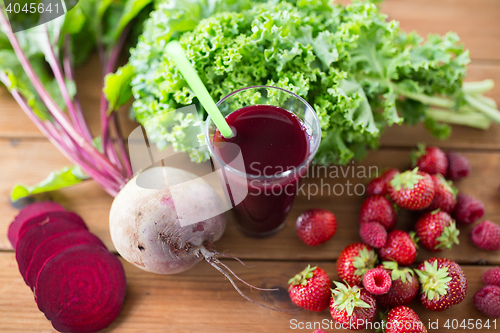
x=200, y=300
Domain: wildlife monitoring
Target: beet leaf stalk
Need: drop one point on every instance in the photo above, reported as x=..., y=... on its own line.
x=37, y=68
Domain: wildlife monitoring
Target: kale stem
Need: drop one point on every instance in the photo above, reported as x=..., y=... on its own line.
x=478, y=87
x=483, y=107
x=476, y=120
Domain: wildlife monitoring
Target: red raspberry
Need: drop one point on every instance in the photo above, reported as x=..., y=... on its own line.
x=468, y=209
x=377, y=281
x=458, y=165
x=319, y=331
x=373, y=234
x=378, y=209
x=316, y=226
x=487, y=300
x=492, y=276
x=486, y=236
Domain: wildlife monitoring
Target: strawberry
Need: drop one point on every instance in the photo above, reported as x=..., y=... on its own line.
x=402, y=319
x=458, y=165
x=468, y=209
x=404, y=286
x=486, y=236
x=319, y=331
x=400, y=247
x=437, y=231
x=487, y=300
x=378, y=186
x=354, y=261
x=373, y=234
x=316, y=226
x=310, y=289
x=352, y=307
x=412, y=189
x=443, y=283
x=377, y=281
x=378, y=209
x=445, y=194
x=492, y=276
x=430, y=159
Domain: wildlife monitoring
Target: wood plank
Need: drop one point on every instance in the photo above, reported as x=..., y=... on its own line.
x=200, y=300
x=477, y=25
x=93, y=204
x=29, y=162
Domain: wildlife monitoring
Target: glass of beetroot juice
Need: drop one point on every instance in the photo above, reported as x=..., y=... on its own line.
x=275, y=136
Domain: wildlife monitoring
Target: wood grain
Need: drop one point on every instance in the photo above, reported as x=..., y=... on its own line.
x=199, y=301
x=320, y=189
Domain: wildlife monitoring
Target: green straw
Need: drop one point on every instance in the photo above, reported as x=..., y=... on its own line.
x=176, y=53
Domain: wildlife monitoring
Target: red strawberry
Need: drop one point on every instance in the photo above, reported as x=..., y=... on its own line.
x=378, y=209
x=468, y=209
x=400, y=247
x=377, y=281
x=445, y=194
x=319, y=331
x=443, y=283
x=404, y=286
x=316, y=226
x=412, y=189
x=437, y=231
x=487, y=300
x=373, y=234
x=431, y=160
x=486, y=236
x=492, y=276
x=378, y=186
x=458, y=165
x=402, y=319
x=310, y=289
x=352, y=307
x=354, y=261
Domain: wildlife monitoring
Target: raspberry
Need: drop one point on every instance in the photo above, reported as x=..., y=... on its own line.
x=492, y=276
x=377, y=281
x=487, y=300
x=468, y=209
x=486, y=236
x=319, y=331
x=373, y=234
x=458, y=165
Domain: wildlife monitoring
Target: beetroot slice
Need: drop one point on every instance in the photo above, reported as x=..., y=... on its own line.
x=44, y=218
x=37, y=234
x=53, y=246
x=81, y=289
x=27, y=213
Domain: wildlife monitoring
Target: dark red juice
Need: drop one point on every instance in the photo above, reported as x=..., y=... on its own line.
x=271, y=140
